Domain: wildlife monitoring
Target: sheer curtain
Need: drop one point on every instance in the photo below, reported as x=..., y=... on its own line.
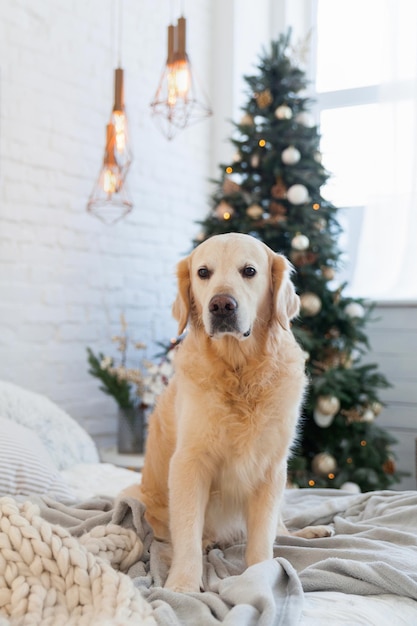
x=386, y=264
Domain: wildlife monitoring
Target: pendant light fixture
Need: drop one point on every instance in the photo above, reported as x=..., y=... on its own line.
x=179, y=101
x=110, y=200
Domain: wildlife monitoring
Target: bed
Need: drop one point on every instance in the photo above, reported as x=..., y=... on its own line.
x=71, y=554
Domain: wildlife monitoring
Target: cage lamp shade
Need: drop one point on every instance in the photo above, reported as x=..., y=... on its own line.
x=109, y=200
x=179, y=101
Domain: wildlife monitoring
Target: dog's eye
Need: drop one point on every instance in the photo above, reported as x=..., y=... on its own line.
x=203, y=272
x=249, y=271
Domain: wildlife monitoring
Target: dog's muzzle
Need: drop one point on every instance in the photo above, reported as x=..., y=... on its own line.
x=223, y=315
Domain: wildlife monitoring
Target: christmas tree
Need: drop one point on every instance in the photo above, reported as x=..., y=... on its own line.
x=271, y=190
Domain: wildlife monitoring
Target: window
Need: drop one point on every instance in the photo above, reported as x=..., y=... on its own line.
x=366, y=70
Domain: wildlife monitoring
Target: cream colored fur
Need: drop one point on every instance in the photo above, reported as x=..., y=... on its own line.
x=219, y=438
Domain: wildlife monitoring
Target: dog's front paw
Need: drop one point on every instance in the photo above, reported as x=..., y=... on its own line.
x=314, y=532
x=182, y=583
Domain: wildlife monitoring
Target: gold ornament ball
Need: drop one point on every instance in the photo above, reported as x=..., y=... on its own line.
x=310, y=303
x=247, y=120
x=255, y=211
x=328, y=273
x=323, y=464
x=283, y=112
x=300, y=242
x=328, y=405
x=264, y=99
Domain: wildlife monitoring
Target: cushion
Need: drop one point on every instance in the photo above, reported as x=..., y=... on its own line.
x=25, y=465
x=65, y=440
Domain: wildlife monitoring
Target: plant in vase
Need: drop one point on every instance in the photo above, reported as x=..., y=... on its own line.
x=126, y=385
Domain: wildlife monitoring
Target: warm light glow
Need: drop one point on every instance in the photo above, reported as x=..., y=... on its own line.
x=119, y=122
x=229, y=170
x=363, y=443
x=262, y=143
x=182, y=78
x=172, y=89
x=316, y=206
x=331, y=476
x=349, y=460
x=109, y=181
x=311, y=483
x=227, y=215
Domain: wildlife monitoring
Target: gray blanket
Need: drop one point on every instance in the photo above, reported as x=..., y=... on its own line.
x=373, y=551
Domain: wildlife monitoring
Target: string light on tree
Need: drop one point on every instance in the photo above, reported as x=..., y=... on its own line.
x=224, y=211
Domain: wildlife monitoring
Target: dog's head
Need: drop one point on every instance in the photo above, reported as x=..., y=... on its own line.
x=230, y=284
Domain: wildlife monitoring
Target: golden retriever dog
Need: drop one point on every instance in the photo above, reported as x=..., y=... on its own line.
x=219, y=438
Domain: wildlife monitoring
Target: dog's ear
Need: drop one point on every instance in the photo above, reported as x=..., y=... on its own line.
x=286, y=303
x=181, y=305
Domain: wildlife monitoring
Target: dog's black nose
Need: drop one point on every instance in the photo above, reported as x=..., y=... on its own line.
x=222, y=305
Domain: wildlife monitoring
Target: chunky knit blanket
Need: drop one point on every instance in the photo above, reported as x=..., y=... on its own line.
x=50, y=578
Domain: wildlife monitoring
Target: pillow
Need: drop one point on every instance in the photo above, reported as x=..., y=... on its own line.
x=65, y=440
x=25, y=465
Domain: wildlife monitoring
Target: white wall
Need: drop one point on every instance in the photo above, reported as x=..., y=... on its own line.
x=393, y=340
x=64, y=276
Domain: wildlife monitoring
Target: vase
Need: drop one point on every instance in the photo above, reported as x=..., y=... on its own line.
x=131, y=430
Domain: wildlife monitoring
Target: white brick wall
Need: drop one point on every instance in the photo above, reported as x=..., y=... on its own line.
x=64, y=276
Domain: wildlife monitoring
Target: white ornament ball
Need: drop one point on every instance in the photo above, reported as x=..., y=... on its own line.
x=306, y=119
x=310, y=303
x=283, y=112
x=300, y=242
x=351, y=487
x=290, y=156
x=323, y=464
x=255, y=211
x=354, y=309
x=297, y=194
x=368, y=416
x=328, y=405
x=376, y=407
x=322, y=420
